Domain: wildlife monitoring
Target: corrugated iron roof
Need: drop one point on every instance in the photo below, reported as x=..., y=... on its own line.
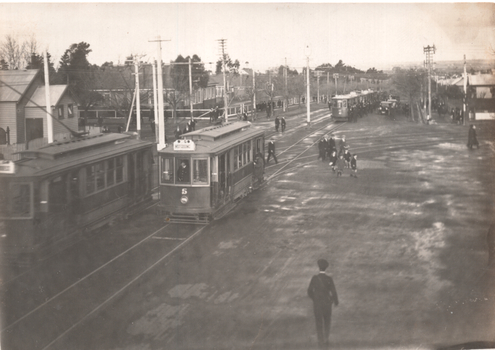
x=38, y=98
x=14, y=83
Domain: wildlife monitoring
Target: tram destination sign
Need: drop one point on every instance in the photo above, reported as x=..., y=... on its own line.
x=184, y=145
x=7, y=167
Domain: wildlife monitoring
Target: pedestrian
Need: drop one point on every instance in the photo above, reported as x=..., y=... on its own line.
x=343, y=145
x=354, y=165
x=283, y=123
x=258, y=170
x=490, y=237
x=472, y=139
x=322, y=148
x=177, y=132
x=323, y=293
x=333, y=160
x=152, y=126
x=268, y=110
x=347, y=158
x=331, y=144
x=340, y=165
x=277, y=123
x=271, y=151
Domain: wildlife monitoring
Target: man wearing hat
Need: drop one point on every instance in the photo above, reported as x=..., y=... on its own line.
x=323, y=293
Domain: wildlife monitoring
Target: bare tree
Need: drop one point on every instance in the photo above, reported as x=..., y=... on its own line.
x=12, y=50
x=30, y=49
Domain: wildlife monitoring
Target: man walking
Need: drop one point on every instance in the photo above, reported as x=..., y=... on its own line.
x=323, y=293
x=271, y=151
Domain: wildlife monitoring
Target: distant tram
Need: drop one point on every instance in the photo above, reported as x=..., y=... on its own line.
x=56, y=191
x=341, y=104
x=202, y=174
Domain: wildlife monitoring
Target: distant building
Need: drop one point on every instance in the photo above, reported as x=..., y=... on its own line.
x=22, y=107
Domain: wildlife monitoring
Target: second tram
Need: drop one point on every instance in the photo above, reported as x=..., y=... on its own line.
x=202, y=174
x=341, y=104
x=57, y=191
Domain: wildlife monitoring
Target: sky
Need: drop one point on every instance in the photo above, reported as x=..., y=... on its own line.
x=362, y=35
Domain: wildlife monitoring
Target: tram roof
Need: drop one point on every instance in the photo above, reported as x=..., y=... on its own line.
x=64, y=155
x=215, y=138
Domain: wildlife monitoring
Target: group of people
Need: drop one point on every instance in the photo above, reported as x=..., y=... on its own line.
x=190, y=126
x=338, y=154
x=280, y=123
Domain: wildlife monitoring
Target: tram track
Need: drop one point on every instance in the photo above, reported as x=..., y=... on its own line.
x=183, y=241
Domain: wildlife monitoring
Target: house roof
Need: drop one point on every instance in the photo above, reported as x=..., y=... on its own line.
x=38, y=98
x=14, y=83
x=482, y=80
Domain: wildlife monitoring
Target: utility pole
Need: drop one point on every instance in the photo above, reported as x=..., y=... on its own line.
x=336, y=78
x=465, y=94
x=49, y=121
x=328, y=86
x=225, y=98
x=254, y=94
x=308, y=96
x=161, y=117
x=286, y=102
x=155, y=101
x=138, y=98
x=190, y=90
x=429, y=51
x=318, y=74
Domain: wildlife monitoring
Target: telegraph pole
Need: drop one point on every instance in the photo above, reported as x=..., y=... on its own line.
x=308, y=96
x=161, y=117
x=465, y=94
x=155, y=102
x=429, y=51
x=49, y=121
x=225, y=98
x=286, y=102
x=138, y=98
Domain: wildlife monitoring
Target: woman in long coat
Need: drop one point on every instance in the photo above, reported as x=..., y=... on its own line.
x=472, y=139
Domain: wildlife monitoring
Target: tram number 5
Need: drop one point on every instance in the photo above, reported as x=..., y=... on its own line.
x=184, y=191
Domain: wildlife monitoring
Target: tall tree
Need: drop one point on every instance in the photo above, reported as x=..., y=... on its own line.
x=12, y=50
x=231, y=67
x=37, y=62
x=76, y=71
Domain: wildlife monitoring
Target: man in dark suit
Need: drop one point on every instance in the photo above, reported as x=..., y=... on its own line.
x=271, y=151
x=323, y=293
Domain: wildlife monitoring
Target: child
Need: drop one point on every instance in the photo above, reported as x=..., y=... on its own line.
x=333, y=160
x=347, y=158
x=354, y=165
x=340, y=165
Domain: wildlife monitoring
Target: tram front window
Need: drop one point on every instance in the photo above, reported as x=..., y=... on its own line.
x=166, y=170
x=183, y=170
x=200, y=171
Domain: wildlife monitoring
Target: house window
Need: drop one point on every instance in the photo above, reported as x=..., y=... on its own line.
x=60, y=112
x=70, y=111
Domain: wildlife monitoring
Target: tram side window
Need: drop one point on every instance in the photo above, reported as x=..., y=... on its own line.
x=200, y=171
x=183, y=172
x=119, y=170
x=20, y=200
x=344, y=104
x=110, y=172
x=236, y=156
x=239, y=157
x=100, y=176
x=90, y=179
x=248, y=152
x=167, y=171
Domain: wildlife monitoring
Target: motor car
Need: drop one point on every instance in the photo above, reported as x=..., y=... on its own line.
x=385, y=107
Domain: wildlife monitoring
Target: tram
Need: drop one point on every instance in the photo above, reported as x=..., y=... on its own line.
x=63, y=189
x=341, y=104
x=205, y=172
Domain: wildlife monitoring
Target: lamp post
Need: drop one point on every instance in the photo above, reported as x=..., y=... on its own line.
x=254, y=91
x=307, y=53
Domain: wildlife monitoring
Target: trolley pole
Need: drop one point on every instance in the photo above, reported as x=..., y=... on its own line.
x=190, y=89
